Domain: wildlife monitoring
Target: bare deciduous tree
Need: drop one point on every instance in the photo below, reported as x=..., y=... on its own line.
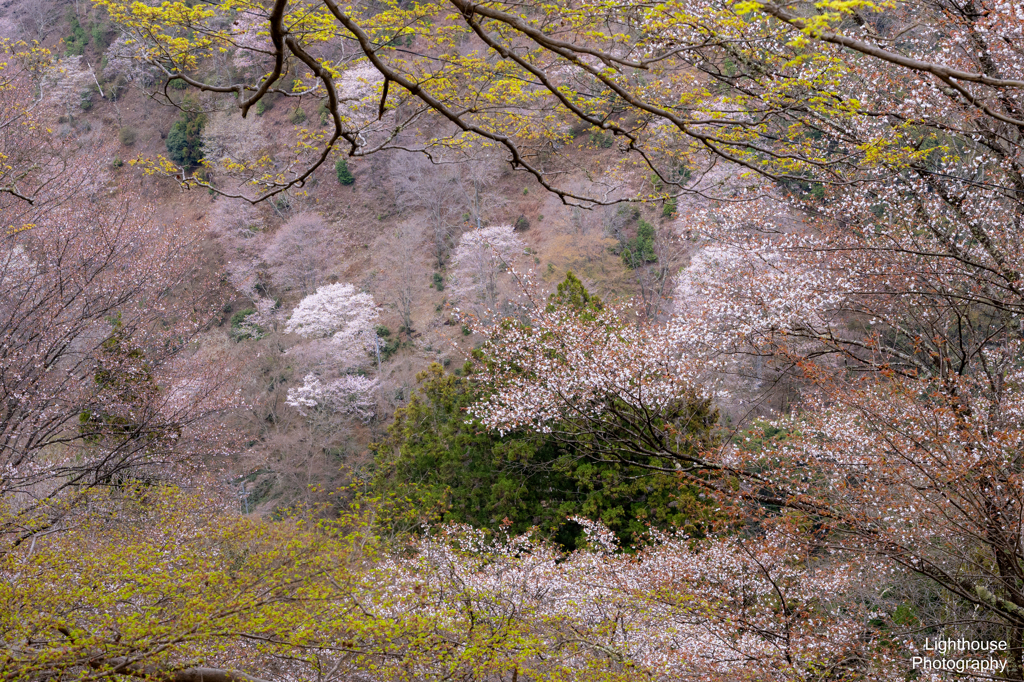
x=97, y=310
x=402, y=257
x=477, y=264
x=435, y=190
x=229, y=138
x=302, y=252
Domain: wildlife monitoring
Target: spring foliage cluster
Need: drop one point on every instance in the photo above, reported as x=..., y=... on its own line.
x=853, y=187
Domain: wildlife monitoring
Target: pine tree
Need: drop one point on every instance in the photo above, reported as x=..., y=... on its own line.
x=345, y=176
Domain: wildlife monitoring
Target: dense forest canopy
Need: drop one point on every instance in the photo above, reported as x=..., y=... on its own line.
x=747, y=404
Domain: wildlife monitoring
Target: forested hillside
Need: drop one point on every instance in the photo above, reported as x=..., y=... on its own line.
x=507, y=341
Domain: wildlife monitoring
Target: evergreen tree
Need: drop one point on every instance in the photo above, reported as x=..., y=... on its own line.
x=640, y=249
x=573, y=294
x=345, y=176
x=185, y=141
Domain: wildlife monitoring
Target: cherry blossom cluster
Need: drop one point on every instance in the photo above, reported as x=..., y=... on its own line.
x=718, y=609
x=563, y=364
x=341, y=314
x=349, y=395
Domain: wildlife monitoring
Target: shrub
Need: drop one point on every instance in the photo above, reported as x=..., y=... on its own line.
x=242, y=329
x=127, y=136
x=116, y=87
x=185, y=141
x=387, y=346
x=437, y=281
x=345, y=176
x=75, y=43
x=522, y=224
x=671, y=204
x=601, y=140
x=640, y=249
x=238, y=318
x=100, y=36
x=298, y=116
x=117, y=162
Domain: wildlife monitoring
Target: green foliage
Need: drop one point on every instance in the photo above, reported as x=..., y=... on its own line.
x=640, y=249
x=239, y=317
x=804, y=189
x=345, y=176
x=601, y=140
x=263, y=107
x=298, y=116
x=388, y=345
x=240, y=331
x=521, y=224
x=100, y=35
x=74, y=44
x=436, y=455
x=432, y=453
x=905, y=616
x=437, y=281
x=671, y=204
x=185, y=141
x=572, y=293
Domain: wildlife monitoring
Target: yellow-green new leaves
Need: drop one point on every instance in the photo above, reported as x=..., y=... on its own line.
x=151, y=581
x=793, y=93
x=175, y=30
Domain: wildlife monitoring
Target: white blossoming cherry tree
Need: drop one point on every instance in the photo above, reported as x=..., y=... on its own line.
x=340, y=321
x=335, y=311
x=350, y=395
x=724, y=609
